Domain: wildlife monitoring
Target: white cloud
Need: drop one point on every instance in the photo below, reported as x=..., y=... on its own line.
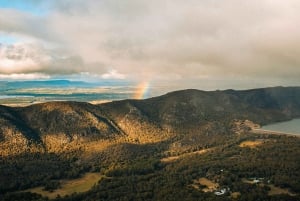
x=23, y=76
x=113, y=74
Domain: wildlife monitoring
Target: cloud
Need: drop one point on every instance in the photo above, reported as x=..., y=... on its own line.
x=32, y=58
x=24, y=76
x=162, y=40
x=113, y=74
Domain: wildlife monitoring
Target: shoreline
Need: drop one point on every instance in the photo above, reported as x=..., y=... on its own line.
x=25, y=104
x=269, y=132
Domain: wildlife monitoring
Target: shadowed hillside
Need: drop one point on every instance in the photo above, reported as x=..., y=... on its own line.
x=190, y=109
x=199, y=118
x=70, y=118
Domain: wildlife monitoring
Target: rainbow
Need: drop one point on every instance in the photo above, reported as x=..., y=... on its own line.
x=142, y=90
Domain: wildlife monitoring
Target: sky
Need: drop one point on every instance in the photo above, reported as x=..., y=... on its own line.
x=204, y=44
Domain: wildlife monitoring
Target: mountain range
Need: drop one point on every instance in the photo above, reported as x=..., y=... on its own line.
x=190, y=114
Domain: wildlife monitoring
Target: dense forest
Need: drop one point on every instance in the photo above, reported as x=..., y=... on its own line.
x=276, y=161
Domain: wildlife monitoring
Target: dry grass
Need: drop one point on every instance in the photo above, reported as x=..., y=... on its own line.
x=69, y=187
x=235, y=195
x=97, y=146
x=247, y=181
x=210, y=185
x=169, y=159
x=251, y=144
x=97, y=102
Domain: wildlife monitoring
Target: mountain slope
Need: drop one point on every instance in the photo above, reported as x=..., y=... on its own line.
x=196, y=116
x=70, y=118
x=194, y=107
x=186, y=118
x=53, y=126
x=16, y=136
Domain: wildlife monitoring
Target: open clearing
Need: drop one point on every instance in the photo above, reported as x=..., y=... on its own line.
x=69, y=187
x=251, y=144
x=274, y=190
x=174, y=158
x=235, y=195
x=210, y=185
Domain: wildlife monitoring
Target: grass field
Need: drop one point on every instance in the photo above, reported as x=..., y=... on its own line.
x=251, y=144
x=210, y=186
x=69, y=187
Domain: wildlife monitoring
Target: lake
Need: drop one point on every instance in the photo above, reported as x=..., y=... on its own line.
x=292, y=126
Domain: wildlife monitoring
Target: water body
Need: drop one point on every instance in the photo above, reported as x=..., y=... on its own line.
x=292, y=126
x=14, y=96
x=22, y=93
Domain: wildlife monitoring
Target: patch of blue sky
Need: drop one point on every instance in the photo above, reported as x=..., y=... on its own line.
x=7, y=39
x=34, y=7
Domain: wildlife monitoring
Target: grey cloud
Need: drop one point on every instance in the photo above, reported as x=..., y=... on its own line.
x=26, y=24
x=171, y=39
x=30, y=58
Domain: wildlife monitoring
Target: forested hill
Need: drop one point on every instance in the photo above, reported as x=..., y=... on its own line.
x=150, y=120
x=192, y=108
